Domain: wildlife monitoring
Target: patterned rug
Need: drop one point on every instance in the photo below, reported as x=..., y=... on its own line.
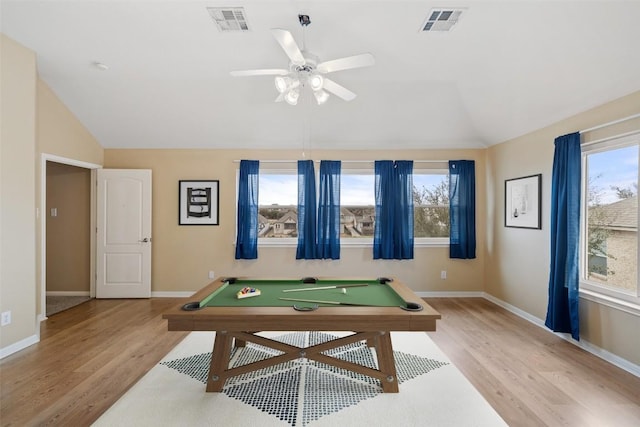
x=303, y=392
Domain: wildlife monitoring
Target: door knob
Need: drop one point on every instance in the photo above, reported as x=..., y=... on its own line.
x=145, y=240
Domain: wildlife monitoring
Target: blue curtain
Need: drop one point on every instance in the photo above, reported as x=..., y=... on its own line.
x=247, y=225
x=393, y=232
x=329, y=211
x=562, y=310
x=306, y=210
x=462, y=209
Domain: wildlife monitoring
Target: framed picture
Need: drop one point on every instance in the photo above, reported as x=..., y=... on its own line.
x=198, y=202
x=523, y=202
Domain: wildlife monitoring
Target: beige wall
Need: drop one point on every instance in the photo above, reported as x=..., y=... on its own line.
x=68, y=240
x=60, y=132
x=183, y=255
x=517, y=269
x=34, y=121
x=17, y=189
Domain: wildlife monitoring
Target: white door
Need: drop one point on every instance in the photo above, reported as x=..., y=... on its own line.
x=123, y=242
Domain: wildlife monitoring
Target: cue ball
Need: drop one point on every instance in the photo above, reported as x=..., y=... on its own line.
x=344, y=291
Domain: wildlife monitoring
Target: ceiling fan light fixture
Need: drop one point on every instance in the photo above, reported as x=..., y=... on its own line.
x=281, y=84
x=316, y=82
x=321, y=96
x=285, y=84
x=305, y=70
x=292, y=97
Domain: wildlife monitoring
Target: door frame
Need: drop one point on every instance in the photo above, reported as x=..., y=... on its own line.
x=44, y=158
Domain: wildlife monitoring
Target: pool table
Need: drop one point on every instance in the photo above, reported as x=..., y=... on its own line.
x=371, y=308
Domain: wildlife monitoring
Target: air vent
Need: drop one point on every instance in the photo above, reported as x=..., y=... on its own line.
x=229, y=18
x=441, y=19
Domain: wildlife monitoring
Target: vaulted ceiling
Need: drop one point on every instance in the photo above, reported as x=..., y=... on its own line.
x=506, y=68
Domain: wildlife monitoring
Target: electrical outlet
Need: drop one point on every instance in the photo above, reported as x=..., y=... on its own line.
x=443, y=274
x=211, y=275
x=6, y=318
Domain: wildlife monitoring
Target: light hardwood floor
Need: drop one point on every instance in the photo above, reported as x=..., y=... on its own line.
x=530, y=376
x=90, y=355
x=87, y=357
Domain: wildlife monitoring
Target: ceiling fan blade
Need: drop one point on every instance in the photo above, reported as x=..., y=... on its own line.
x=289, y=45
x=356, y=61
x=339, y=91
x=263, y=72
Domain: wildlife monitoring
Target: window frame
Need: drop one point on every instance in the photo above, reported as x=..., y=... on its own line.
x=432, y=241
x=354, y=168
x=588, y=289
x=266, y=242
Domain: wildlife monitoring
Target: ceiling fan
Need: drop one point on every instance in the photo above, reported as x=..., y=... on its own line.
x=304, y=69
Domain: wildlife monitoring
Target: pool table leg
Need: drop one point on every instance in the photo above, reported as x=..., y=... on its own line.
x=219, y=361
x=386, y=362
x=243, y=343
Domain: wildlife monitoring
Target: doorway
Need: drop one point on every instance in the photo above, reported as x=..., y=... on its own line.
x=67, y=244
x=68, y=219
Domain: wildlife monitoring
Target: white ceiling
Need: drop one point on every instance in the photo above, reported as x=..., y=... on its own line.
x=507, y=68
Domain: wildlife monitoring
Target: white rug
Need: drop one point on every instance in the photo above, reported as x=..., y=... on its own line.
x=303, y=393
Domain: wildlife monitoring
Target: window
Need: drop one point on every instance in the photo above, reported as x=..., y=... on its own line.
x=609, y=252
x=431, y=204
x=357, y=205
x=278, y=210
x=278, y=204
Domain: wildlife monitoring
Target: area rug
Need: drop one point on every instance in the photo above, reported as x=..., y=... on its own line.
x=303, y=392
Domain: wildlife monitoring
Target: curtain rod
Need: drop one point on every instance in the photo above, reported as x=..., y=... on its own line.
x=614, y=122
x=347, y=161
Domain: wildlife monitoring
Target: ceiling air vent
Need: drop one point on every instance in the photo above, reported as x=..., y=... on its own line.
x=441, y=19
x=229, y=18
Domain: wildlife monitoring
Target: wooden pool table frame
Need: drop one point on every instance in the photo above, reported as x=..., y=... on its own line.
x=373, y=324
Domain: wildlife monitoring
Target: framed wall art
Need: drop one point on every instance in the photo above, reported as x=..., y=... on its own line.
x=198, y=202
x=523, y=202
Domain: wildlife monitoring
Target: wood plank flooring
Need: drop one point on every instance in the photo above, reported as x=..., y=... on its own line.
x=88, y=356
x=92, y=354
x=530, y=376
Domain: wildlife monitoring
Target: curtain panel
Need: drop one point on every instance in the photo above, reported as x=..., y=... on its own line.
x=328, y=232
x=393, y=231
x=247, y=221
x=306, y=210
x=462, y=209
x=562, y=310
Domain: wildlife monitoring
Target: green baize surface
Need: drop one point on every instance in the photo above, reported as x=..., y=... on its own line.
x=374, y=294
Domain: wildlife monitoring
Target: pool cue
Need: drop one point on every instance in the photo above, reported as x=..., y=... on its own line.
x=325, y=287
x=324, y=302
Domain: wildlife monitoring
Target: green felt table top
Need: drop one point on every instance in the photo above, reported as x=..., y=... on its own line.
x=358, y=292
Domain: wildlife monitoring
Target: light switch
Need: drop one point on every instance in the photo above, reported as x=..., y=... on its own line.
x=54, y=211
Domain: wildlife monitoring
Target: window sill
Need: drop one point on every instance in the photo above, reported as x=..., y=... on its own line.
x=353, y=243
x=609, y=301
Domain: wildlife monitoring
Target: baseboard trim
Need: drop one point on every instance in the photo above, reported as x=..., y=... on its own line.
x=603, y=354
x=450, y=294
x=515, y=310
x=169, y=294
x=68, y=293
x=20, y=345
